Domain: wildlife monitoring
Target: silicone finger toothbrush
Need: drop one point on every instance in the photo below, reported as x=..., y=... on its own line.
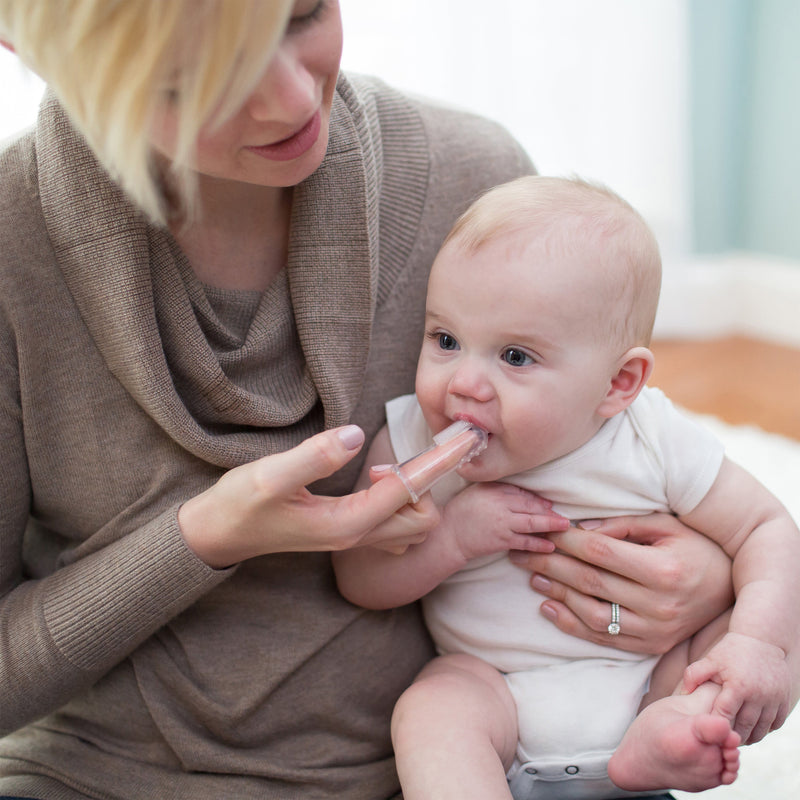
x=452, y=448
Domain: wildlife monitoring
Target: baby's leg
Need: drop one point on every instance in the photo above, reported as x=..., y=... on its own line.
x=455, y=732
x=675, y=742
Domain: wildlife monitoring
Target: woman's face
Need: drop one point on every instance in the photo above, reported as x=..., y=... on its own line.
x=280, y=135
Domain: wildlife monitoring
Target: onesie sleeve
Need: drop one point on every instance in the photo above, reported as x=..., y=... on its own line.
x=691, y=454
x=408, y=431
x=409, y=434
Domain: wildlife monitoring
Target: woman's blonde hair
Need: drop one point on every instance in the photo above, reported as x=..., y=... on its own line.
x=112, y=63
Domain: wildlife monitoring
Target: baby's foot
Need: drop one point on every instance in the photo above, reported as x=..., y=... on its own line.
x=666, y=748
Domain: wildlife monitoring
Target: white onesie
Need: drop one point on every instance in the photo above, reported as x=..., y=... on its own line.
x=575, y=699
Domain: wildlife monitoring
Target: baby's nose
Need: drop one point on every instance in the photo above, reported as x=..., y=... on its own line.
x=471, y=380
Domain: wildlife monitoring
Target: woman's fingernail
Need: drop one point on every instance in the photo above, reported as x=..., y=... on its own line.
x=590, y=524
x=541, y=584
x=549, y=612
x=351, y=436
x=380, y=467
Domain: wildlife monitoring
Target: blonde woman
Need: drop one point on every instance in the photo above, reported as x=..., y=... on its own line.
x=213, y=258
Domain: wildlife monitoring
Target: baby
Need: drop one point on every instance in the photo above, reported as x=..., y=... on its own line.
x=539, y=312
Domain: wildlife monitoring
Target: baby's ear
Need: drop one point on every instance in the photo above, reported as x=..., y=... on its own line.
x=632, y=371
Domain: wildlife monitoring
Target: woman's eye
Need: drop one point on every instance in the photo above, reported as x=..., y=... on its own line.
x=447, y=342
x=302, y=20
x=516, y=358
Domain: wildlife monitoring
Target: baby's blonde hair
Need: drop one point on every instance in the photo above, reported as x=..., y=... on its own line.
x=576, y=214
x=112, y=63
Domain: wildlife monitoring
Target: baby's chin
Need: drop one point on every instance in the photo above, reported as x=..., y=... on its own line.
x=477, y=472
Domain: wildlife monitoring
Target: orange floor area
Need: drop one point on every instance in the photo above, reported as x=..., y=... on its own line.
x=739, y=380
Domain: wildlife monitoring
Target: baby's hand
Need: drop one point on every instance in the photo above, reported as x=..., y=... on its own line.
x=755, y=680
x=488, y=518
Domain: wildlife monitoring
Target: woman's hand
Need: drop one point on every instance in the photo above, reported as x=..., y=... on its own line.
x=263, y=507
x=668, y=579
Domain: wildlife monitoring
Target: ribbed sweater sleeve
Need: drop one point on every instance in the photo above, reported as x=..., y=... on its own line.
x=125, y=592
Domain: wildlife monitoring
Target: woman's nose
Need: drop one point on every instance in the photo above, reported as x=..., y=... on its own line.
x=286, y=91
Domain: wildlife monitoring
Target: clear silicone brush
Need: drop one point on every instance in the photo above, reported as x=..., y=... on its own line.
x=453, y=447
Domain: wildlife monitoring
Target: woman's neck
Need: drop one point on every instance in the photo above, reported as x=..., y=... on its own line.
x=240, y=237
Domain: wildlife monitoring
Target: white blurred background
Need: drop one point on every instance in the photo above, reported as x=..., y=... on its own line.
x=594, y=87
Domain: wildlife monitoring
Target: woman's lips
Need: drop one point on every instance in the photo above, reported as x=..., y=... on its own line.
x=293, y=146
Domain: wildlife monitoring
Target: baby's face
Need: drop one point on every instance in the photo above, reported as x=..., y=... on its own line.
x=509, y=346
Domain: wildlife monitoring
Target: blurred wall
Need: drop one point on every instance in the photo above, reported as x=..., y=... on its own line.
x=745, y=86
x=593, y=87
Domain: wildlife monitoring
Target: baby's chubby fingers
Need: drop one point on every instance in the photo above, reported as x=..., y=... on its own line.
x=530, y=544
x=526, y=512
x=523, y=501
x=536, y=522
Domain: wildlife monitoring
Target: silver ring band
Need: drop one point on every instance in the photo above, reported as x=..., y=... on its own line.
x=613, y=627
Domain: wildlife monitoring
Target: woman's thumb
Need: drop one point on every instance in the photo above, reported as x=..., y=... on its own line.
x=319, y=456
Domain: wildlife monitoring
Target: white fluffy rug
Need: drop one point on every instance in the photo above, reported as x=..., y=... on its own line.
x=770, y=770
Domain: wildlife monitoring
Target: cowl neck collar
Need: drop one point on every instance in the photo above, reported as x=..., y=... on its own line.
x=114, y=263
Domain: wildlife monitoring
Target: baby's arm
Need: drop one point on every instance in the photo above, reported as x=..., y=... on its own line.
x=482, y=520
x=755, y=661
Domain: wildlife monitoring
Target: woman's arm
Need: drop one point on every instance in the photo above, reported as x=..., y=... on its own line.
x=62, y=632
x=669, y=580
x=62, y=629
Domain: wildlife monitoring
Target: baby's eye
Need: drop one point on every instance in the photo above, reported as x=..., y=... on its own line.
x=447, y=342
x=516, y=358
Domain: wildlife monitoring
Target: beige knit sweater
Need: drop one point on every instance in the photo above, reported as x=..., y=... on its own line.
x=129, y=669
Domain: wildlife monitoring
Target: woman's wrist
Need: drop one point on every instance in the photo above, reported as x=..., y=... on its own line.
x=196, y=523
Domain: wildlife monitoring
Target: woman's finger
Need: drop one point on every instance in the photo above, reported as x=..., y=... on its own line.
x=591, y=608
x=598, y=614
x=649, y=529
x=317, y=457
x=565, y=574
x=322, y=455
x=595, y=549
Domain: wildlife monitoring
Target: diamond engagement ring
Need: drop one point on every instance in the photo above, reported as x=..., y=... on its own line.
x=613, y=627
